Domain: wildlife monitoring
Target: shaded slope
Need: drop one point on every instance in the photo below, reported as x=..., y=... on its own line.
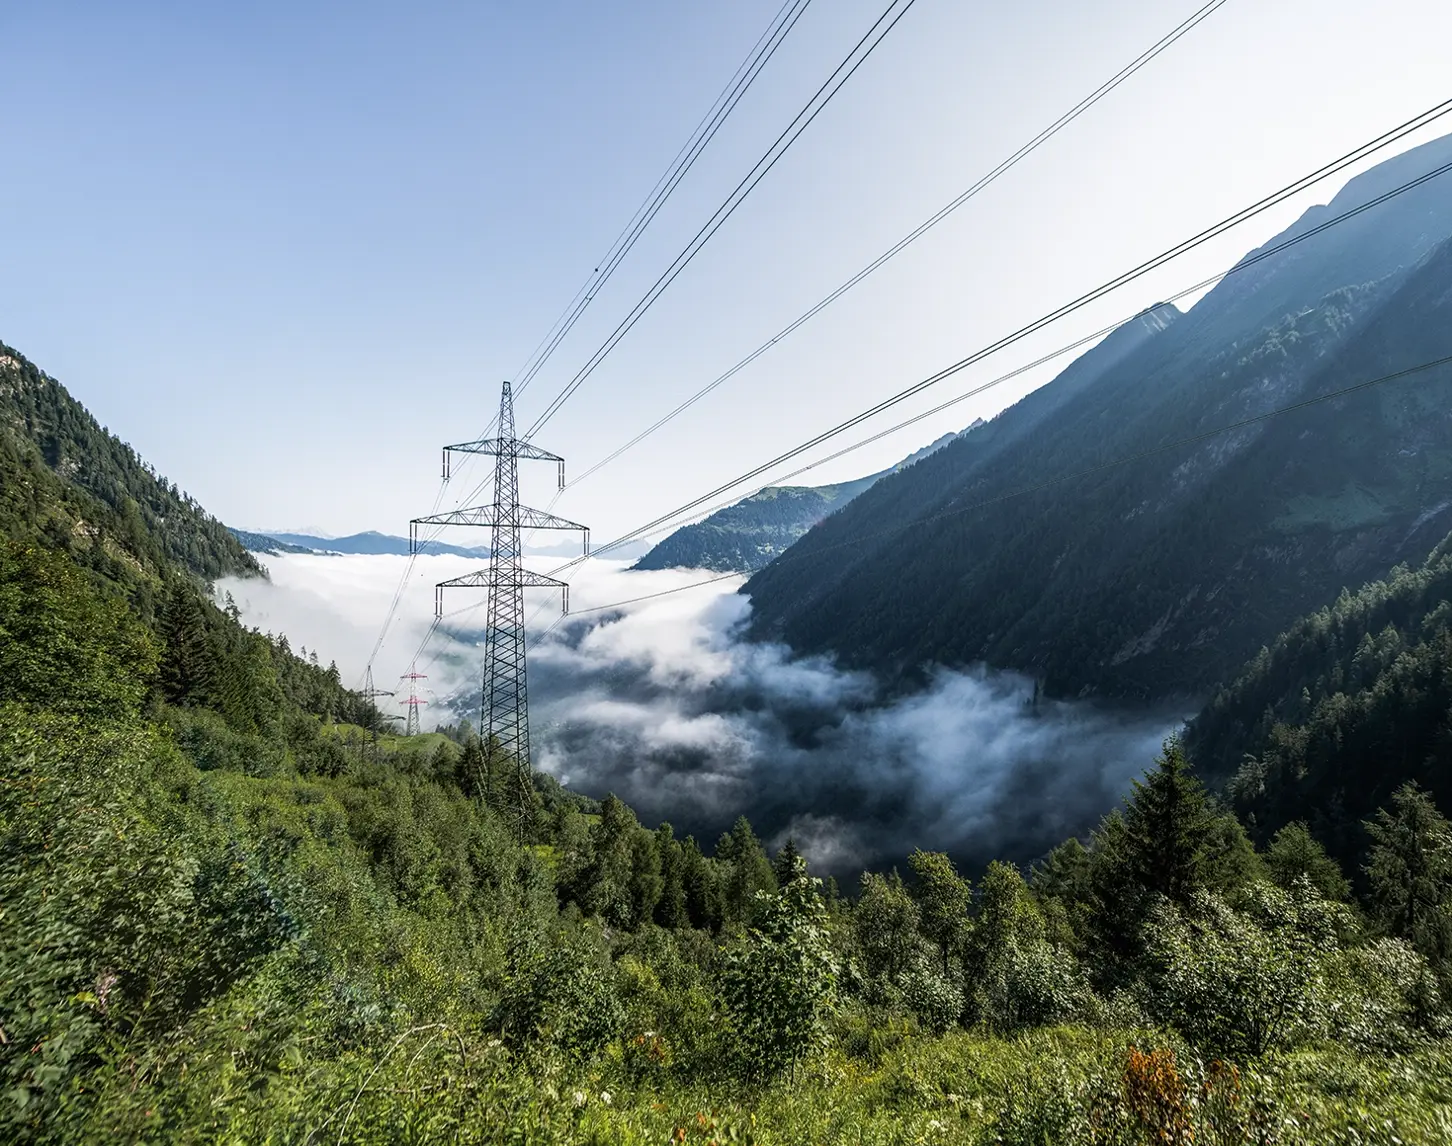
x=746, y=536
x=1342, y=709
x=1159, y=577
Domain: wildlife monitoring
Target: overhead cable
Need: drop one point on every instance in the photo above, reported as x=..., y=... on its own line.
x=859, y=54
x=920, y=230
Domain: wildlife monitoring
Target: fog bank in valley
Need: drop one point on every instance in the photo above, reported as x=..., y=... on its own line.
x=664, y=704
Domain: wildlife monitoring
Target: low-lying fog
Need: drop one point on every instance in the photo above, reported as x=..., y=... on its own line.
x=662, y=703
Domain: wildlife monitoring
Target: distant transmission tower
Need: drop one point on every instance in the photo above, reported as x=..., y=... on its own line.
x=413, y=702
x=371, y=694
x=504, y=718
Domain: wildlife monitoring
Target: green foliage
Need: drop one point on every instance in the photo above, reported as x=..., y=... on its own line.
x=222, y=921
x=558, y=992
x=943, y=898
x=1410, y=873
x=885, y=924
x=1294, y=854
x=1015, y=977
x=1244, y=982
x=63, y=647
x=779, y=982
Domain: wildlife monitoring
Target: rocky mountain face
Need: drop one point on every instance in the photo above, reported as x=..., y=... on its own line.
x=1143, y=571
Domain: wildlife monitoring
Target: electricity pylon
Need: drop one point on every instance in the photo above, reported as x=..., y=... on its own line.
x=413, y=702
x=504, y=715
x=371, y=694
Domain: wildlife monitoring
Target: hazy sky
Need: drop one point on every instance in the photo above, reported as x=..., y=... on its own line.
x=288, y=249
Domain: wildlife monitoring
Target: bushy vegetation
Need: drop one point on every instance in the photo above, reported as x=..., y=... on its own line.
x=220, y=924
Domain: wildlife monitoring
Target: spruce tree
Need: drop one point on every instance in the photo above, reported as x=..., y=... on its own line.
x=702, y=886
x=1410, y=872
x=670, y=908
x=1169, y=825
x=748, y=870
x=784, y=865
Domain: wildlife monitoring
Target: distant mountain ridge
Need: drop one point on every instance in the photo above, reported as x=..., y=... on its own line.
x=745, y=537
x=372, y=543
x=1159, y=576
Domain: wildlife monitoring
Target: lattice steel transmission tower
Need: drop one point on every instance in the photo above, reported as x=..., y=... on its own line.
x=371, y=694
x=414, y=701
x=504, y=716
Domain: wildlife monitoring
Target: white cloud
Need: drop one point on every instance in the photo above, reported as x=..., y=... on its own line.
x=665, y=704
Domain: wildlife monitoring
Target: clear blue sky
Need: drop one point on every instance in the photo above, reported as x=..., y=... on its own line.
x=288, y=249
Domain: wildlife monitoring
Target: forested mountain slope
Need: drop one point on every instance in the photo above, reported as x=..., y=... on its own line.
x=1160, y=576
x=230, y=916
x=744, y=537
x=1347, y=705
x=64, y=476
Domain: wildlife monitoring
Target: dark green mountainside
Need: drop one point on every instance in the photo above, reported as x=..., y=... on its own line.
x=1351, y=702
x=66, y=480
x=1161, y=576
x=745, y=537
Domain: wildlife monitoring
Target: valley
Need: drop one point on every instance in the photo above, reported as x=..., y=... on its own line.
x=1071, y=763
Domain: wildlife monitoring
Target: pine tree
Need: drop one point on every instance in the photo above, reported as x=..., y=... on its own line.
x=1168, y=828
x=670, y=908
x=189, y=664
x=704, y=904
x=1410, y=872
x=784, y=865
x=748, y=870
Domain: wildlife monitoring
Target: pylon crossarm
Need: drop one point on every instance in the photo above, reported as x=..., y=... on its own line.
x=488, y=579
x=522, y=517
x=495, y=445
x=498, y=447
x=523, y=578
x=490, y=515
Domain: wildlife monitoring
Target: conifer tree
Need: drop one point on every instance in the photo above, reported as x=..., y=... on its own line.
x=1410, y=872
x=784, y=865
x=748, y=869
x=702, y=887
x=1168, y=825
x=670, y=908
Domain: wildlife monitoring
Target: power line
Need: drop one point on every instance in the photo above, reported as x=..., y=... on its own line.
x=741, y=81
x=874, y=36
x=1099, y=292
x=923, y=228
x=736, y=88
x=983, y=182
x=746, y=72
x=1327, y=170
x=1022, y=491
